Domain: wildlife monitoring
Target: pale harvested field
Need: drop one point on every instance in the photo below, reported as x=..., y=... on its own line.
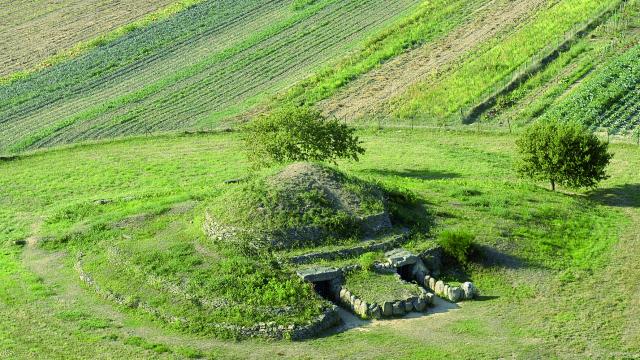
x=32, y=31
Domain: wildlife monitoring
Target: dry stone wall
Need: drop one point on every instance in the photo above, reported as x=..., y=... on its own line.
x=328, y=319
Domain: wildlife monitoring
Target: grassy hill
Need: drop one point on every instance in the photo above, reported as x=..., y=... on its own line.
x=116, y=161
x=134, y=209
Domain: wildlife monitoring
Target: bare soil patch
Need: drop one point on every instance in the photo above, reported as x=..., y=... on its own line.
x=33, y=31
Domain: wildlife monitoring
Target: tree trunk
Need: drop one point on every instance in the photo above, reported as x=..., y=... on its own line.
x=553, y=185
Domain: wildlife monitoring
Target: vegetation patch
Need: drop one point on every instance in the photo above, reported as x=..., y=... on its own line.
x=380, y=288
x=300, y=205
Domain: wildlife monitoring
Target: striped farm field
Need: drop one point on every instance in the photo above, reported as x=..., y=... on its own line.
x=610, y=98
x=210, y=61
x=33, y=31
x=442, y=96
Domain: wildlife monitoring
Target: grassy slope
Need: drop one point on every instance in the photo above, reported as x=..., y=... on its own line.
x=550, y=253
x=590, y=66
x=38, y=34
x=211, y=61
x=444, y=96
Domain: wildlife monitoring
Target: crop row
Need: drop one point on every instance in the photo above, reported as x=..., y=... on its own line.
x=174, y=82
x=495, y=61
x=624, y=116
x=607, y=99
x=195, y=77
x=38, y=34
x=48, y=92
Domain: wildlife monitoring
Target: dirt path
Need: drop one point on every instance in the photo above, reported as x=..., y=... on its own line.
x=376, y=88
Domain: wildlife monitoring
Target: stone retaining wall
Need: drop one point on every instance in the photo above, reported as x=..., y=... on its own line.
x=328, y=319
x=452, y=293
x=351, y=252
x=378, y=311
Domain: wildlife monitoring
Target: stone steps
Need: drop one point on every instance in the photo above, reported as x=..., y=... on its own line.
x=368, y=246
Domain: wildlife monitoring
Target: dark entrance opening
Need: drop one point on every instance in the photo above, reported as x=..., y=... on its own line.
x=323, y=288
x=406, y=272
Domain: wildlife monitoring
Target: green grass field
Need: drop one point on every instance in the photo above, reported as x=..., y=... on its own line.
x=120, y=144
x=547, y=275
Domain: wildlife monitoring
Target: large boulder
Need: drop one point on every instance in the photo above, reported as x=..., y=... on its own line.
x=319, y=273
x=387, y=309
x=375, y=311
x=400, y=257
x=455, y=294
x=398, y=308
x=470, y=291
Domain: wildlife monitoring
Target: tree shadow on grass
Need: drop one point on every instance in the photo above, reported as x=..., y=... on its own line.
x=492, y=257
x=415, y=174
x=627, y=195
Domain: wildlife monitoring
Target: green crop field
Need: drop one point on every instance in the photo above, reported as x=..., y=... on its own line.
x=133, y=223
x=209, y=61
x=216, y=63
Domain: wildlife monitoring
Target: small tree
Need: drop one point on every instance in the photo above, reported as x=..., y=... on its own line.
x=564, y=153
x=636, y=134
x=299, y=134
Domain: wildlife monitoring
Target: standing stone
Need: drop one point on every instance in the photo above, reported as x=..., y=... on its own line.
x=387, y=309
x=419, y=270
x=398, y=308
x=439, y=287
x=425, y=281
x=470, y=291
x=375, y=312
x=363, y=309
x=420, y=305
x=430, y=299
x=408, y=305
x=455, y=294
x=343, y=293
x=445, y=291
x=432, y=284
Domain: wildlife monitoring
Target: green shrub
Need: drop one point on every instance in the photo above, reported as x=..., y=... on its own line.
x=457, y=244
x=367, y=260
x=293, y=133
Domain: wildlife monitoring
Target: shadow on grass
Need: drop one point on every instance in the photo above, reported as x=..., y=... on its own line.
x=414, y=174
x=486, y=298
x=627, y=195
x=492, y=257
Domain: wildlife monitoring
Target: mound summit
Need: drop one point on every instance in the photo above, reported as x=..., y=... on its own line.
x=301, y=205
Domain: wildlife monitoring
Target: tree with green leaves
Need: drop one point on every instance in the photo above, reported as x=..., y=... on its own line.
x=299, y=133
x=563, y=153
